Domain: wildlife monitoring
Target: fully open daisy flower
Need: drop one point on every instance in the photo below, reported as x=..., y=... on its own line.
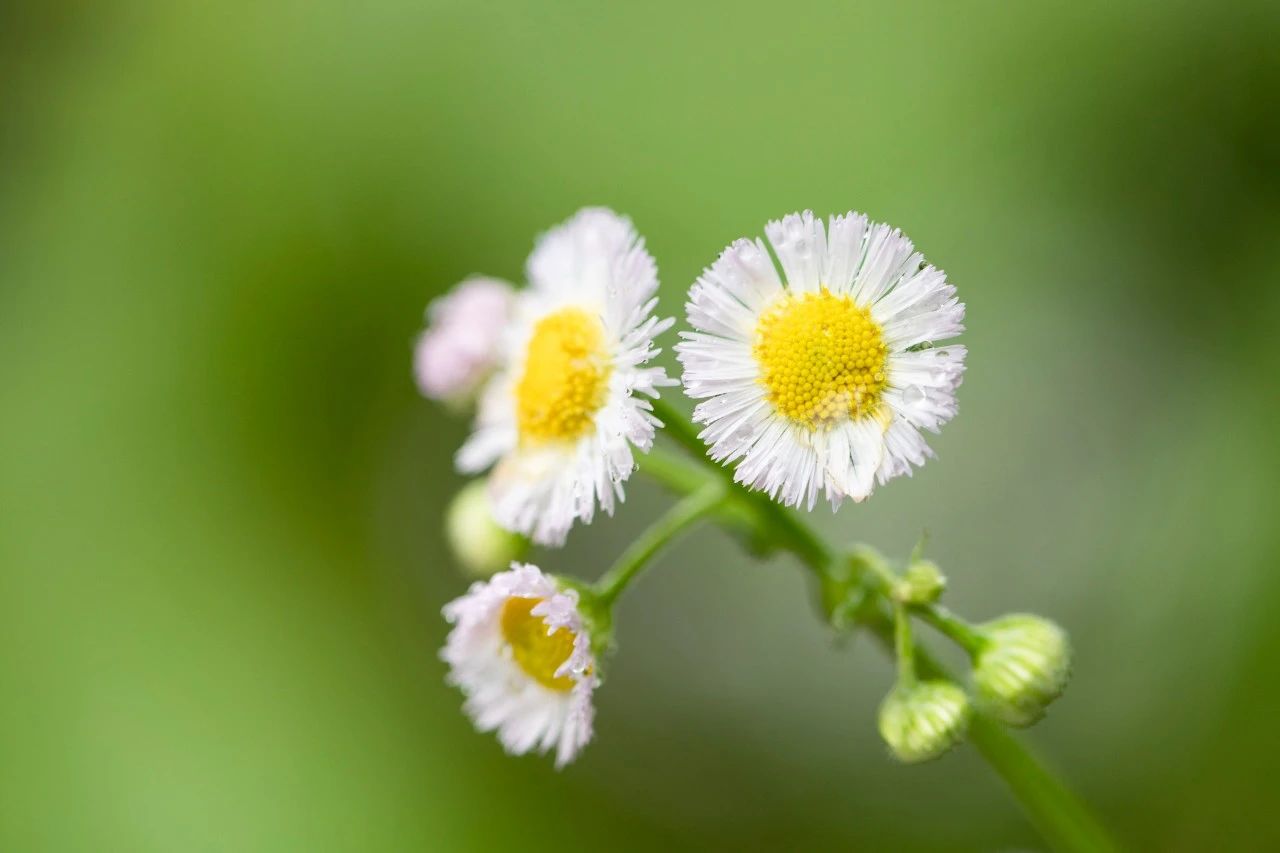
x=562, y=415
x=821, y=380
x=520, y=651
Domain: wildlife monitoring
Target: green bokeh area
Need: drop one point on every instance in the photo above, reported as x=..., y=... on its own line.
x=221, y=563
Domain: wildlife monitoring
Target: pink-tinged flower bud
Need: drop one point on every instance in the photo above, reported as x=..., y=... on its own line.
x=460, y=346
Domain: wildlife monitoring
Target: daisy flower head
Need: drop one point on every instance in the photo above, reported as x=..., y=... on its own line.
x=521, y=653
x=560, y=418
x=819, y=380
x=456, y=352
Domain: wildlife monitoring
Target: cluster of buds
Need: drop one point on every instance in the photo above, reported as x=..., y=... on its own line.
x=1020, y=664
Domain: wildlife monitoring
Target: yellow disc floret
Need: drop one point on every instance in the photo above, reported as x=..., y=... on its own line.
x=538, y=653
x=822, y=358
x=566, y=377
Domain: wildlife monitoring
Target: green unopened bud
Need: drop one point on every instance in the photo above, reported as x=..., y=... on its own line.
x=923, y=720
x=480, y=545
x=921, y=583
x=1023, y=665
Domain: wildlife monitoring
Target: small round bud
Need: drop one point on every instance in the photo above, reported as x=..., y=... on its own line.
x=480, y=545
x=1023, y=665
x=922, y=583
x=923, y=720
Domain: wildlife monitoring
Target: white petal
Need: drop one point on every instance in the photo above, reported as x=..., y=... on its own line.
x=846, y=239
x=886, y=258
x=801, y=245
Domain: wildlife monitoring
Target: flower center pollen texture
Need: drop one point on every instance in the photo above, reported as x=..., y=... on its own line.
x=566, y=378
x=821, y=357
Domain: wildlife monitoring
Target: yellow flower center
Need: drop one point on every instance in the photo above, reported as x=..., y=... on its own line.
x=538, y=653
x=566, y=377
x=822, y=358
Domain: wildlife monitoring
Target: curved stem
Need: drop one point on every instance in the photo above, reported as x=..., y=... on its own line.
x=677, y=519
x=1061, y=817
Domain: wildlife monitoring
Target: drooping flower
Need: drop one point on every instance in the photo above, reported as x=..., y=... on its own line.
x=521, y=653
x=560, y=419
x=819, y=381
x=458, y=350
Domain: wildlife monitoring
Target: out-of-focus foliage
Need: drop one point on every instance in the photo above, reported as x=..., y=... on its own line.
x=221, y=506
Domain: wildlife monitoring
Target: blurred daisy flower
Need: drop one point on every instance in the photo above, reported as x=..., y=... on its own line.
x=560, y=418
x=821, y=380
x=521, y=653
x=458, y=350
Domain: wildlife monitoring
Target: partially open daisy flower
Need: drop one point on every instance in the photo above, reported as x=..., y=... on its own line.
x=563, y=413
x=521, y=653
x=821, y=380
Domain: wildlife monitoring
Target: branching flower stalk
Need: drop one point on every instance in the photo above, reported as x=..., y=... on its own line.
x=813, y=383
x=1061, y=817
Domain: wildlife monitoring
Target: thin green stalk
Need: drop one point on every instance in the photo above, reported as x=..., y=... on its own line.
x=1061, y=817
x=903, y=649
x=876, y=573
x=952, y=626
x=797, y=536
x=673, y=472
x=679, y=518
x=678, y=428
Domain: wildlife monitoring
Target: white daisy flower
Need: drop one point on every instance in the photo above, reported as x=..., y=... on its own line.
x=562, y=414
x=521, y=653
x=821, y=380
x=456, y=352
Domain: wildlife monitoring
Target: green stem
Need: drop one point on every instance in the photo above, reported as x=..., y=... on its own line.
x=673, y=472
x=1061, y=817
x=876, y=573
x=680, y=517
x=902, y=646
x=677, y=427
x=952, y=626
x=785, y=524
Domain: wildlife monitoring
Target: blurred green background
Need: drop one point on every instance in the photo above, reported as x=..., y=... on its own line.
x=221, y=563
